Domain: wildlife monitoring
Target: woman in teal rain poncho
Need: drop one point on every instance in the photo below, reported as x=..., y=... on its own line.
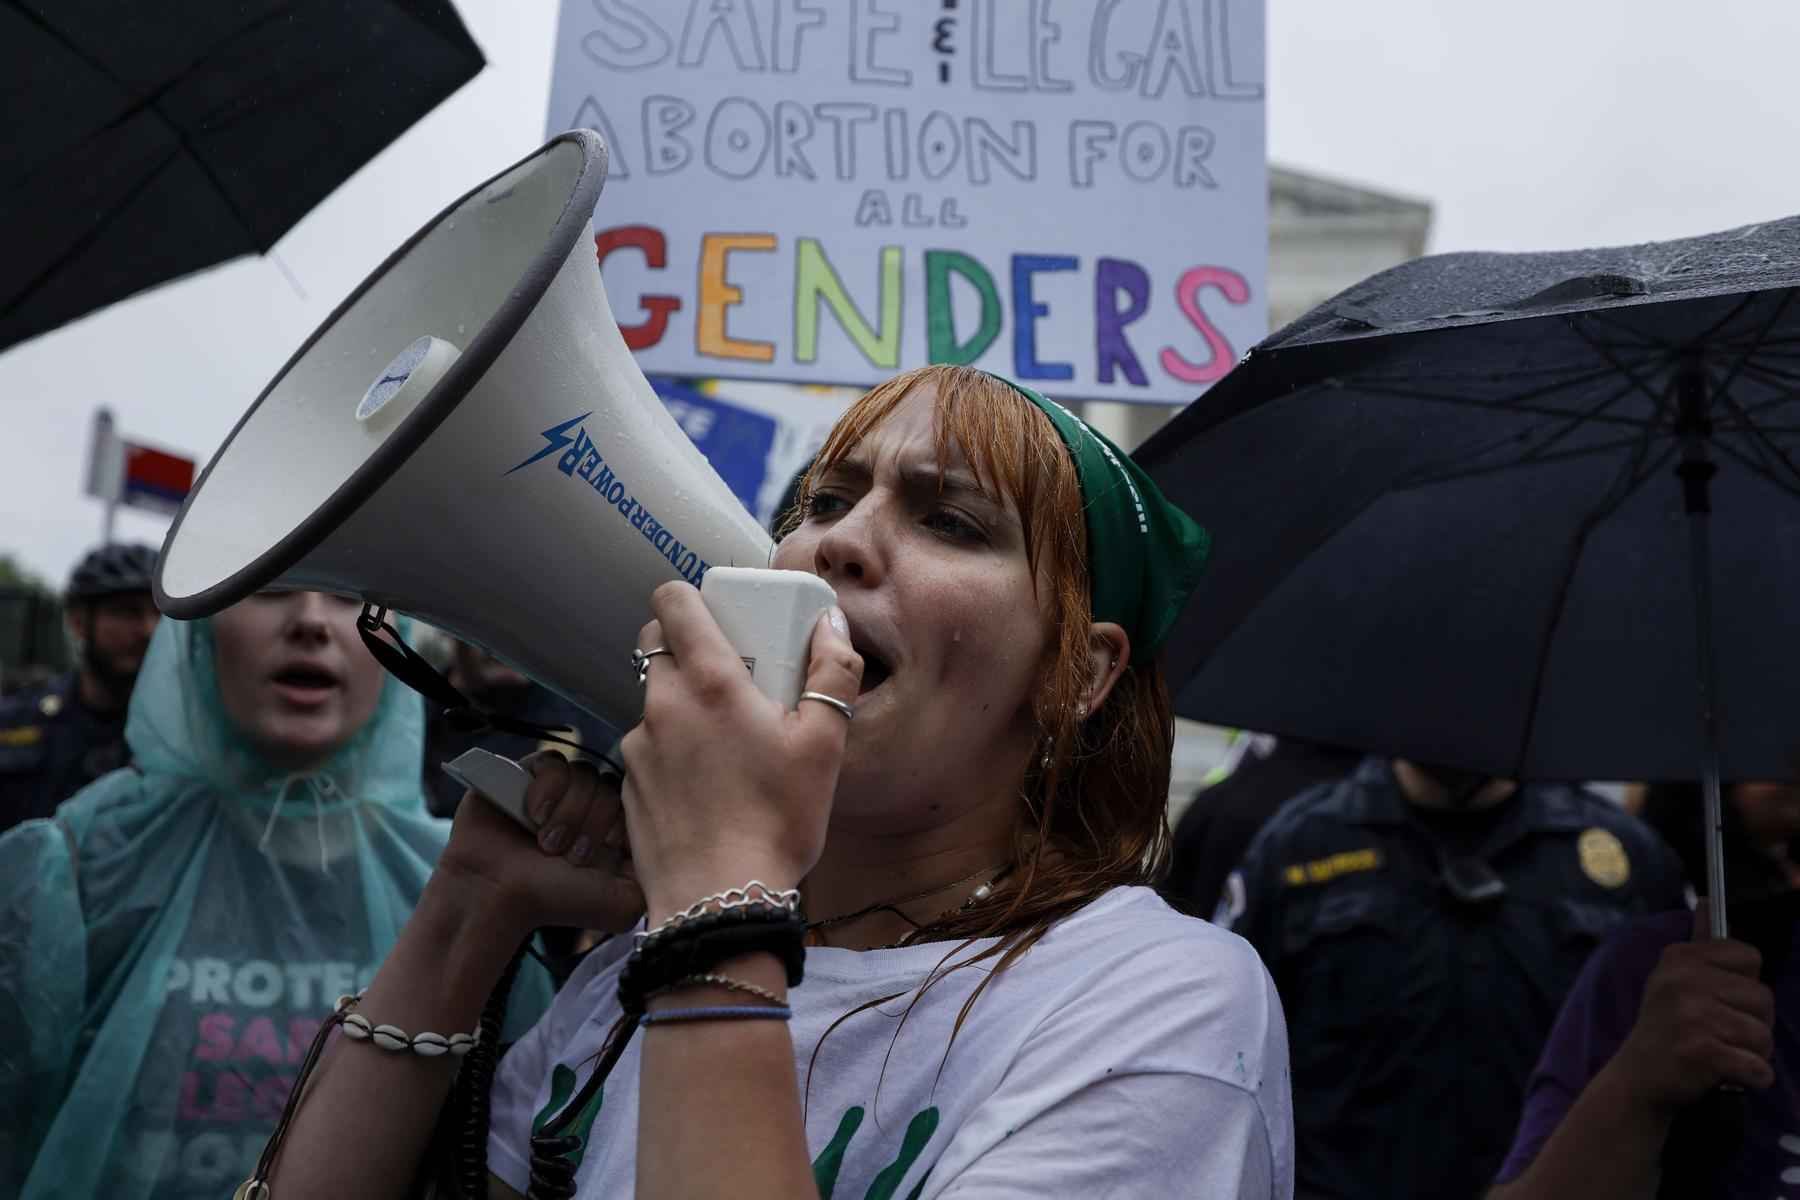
x=172, y=939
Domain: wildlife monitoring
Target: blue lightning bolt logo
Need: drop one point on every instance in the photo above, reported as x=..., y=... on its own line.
x=558, y=436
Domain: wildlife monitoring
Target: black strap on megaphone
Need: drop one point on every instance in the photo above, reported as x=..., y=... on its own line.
x=416, y=672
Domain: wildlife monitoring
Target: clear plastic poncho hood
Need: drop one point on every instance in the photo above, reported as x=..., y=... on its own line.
x=170, y=942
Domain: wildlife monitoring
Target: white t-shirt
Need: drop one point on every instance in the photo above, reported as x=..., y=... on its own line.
x=1132, y=1052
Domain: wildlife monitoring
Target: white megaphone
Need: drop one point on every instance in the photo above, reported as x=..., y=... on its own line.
x=467, y=439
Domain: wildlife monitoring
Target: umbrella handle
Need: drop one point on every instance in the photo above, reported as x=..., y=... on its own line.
x=1718, y=927
x=1695, y=471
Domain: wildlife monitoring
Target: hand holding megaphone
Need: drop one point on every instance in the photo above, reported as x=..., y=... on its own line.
x=722, y=786
x=576, y=873
x=767, y=616
x=722, y=783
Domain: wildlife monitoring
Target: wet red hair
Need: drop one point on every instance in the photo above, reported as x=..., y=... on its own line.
x=1094, y=817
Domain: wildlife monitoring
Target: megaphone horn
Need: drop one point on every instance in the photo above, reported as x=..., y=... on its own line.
x=468, y=439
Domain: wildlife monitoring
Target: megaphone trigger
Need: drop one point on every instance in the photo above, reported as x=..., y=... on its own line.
x=501, y=780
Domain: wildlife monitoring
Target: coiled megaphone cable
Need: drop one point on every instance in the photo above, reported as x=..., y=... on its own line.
x=416, y=672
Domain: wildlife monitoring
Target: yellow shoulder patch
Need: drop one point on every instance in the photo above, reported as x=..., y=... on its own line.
x=23, y=735
x=1603, y=858
x=1324, y=870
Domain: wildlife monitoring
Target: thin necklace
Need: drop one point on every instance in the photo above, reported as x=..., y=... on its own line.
x=892, y=905
x=975, y=897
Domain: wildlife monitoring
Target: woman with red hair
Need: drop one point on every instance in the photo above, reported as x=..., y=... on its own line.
x=896, y=943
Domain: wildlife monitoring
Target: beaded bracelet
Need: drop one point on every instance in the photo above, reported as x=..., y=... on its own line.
x=704, y=943
x=390, y=1037
x=755, y=894
x=755, y=912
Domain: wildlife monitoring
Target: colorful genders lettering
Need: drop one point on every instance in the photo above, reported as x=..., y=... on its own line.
x=1122, y=294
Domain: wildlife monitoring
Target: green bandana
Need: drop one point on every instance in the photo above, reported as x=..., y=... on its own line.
x=1144, y=554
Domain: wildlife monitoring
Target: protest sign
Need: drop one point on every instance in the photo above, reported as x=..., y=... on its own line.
x=1069, y=192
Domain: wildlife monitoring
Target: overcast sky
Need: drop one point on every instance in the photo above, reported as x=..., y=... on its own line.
x=1528, y=125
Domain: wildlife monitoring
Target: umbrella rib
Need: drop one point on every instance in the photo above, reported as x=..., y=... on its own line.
x=1629, y=480
x=145, y=100
x=1773, y=374
x=340, y=68
x=1576, y=421
x=1777, y=401
x=1350, y=513
x=320, y=80
x=1744, y=302
x=1655, y=465
x=1605, y=352
x=60, y=38
x=1531, y=461
x=1756, y=344
x=1400, y=393
x=1536, y=453
x=1763, y=447
x=85, y=241
x=1597, y=317
x=1561, y=381
x=212, y=177
x=1731, y=451
x=149, y=102
x=1762, y=443
x=1781, y=347
x=1639, y=340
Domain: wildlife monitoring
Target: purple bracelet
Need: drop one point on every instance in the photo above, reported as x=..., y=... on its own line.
x=721, y=1012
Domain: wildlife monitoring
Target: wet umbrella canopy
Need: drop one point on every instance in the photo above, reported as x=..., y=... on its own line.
x=147, y=141
x=1460, y=515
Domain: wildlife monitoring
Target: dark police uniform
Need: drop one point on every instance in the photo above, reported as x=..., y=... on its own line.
x=1421, y=959
x=51, y=746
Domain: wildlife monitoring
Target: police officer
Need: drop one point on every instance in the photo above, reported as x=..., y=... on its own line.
x=1223, y=819
x=57, y=738
x=1422, y=925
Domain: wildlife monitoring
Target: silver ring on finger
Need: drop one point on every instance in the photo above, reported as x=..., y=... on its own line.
x=833, y=701
x=640, y=661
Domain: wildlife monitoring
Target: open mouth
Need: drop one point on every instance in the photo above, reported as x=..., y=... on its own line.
x=875, y=668
x=305, y=683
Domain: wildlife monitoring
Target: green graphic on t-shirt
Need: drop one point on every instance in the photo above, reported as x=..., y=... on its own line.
x=825, y=1167
x=831, y=1159
x=562, y=1086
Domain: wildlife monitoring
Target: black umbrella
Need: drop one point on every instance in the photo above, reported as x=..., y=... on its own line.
x=1461, y=514
x=146, y=141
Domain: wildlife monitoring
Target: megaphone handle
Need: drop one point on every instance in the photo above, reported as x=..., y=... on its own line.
x=498, y=779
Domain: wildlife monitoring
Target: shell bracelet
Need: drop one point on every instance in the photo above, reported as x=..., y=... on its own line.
x=392, y=1038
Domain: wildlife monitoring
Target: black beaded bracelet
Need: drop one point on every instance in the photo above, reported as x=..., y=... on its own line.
x=706, y=941
x=755, y=910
